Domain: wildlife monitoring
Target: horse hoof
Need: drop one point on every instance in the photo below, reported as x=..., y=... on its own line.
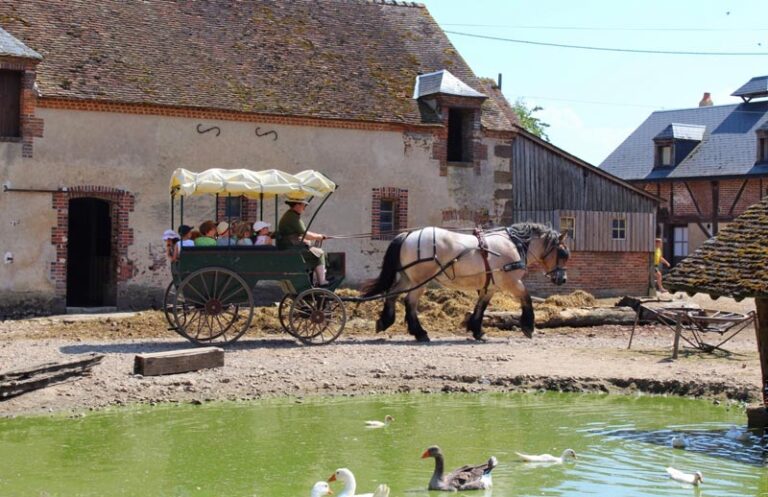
x=422, y=337
x=479, y=336
x=528, y=332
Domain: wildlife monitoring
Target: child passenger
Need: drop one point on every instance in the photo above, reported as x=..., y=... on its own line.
x=261, y=229
x=243, y=234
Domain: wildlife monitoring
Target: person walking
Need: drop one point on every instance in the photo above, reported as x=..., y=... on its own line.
x=658, y=261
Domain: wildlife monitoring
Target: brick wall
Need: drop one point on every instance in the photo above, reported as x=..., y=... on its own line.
x=696, y=201
x=121, y=205
x=31, y=126
x=603, y=274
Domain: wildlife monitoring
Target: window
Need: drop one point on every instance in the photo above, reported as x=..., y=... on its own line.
x=663, y=155
x=619, y=229
x=679, y=242
x=459, y=136
x=389, y=212
x=10, y=104
x=762, y=149
x=568, y=225
x=233, y=207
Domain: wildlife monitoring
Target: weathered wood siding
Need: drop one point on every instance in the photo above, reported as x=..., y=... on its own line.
x=593, y=229
x=543, y=180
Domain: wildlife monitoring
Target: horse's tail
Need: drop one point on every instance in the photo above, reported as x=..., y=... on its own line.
x=389, y=269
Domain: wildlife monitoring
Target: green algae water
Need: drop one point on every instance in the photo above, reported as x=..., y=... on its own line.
x=280, y=448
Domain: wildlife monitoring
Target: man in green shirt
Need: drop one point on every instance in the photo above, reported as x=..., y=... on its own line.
x=290, y=230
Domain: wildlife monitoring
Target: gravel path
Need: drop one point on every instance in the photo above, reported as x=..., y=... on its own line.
x=565, y=359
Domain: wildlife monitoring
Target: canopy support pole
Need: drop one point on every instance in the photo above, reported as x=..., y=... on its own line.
x=172, y=213
x=757, y=416
x=319, y=208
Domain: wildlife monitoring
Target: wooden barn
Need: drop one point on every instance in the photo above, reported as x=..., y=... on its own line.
x=610, y=223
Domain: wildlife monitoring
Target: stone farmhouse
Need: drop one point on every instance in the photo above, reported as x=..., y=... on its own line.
x=101, y=101
x=706, y=163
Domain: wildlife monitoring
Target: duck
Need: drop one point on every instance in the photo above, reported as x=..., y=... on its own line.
x=465, y=478
x=345, y=476
x=548, y=458
x=380, y=424
x=679, y=442
x=320, y=489
x=692, y=479
x=736, y=434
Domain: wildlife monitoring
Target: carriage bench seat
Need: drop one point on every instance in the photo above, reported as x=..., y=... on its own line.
x=219, y=248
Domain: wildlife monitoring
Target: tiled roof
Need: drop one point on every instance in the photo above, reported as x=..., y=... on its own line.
x=733, y=264
x=755, y=87
x=445, y=83
x=11, y=47
x=728, y=147
x=337, y=59
x=677, y=131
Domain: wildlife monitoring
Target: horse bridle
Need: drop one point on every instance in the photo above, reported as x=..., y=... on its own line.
x=562, y=254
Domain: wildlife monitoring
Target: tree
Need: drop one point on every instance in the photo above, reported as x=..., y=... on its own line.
x=528, y=121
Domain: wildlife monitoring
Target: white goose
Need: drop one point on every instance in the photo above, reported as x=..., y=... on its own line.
x=380, y=424
x=679, y=442
x=548, y=458
x=350, y=485
x=736, y=434
x=692, y=479
x=320, y=489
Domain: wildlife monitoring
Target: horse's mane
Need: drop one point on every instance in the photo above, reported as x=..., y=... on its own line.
x=526, y=231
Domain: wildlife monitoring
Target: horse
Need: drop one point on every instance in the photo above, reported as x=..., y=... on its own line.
x=484, y=261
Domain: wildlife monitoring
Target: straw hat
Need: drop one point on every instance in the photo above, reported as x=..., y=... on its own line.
x=296, y=198
x=222, y=227
x=260, y=225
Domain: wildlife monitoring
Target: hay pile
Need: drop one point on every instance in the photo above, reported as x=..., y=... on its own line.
x=442, y=311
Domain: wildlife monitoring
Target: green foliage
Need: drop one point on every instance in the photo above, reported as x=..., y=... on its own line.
x=528, y=121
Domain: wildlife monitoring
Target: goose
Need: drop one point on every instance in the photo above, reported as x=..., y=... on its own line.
x=465, y=478
x=693, y=479
x=679, y=442
x=549, y=458
x=345, y=476
x=320, y=489
x=380, y=424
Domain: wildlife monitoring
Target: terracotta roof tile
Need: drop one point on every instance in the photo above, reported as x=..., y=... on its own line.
x=343, y=59
x=734, y=263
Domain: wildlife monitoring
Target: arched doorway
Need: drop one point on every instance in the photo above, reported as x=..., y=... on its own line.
x=90, y=259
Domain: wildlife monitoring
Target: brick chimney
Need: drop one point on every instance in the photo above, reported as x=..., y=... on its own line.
x=706, y=101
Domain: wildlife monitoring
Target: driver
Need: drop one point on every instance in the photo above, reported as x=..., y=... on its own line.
x=291, y=228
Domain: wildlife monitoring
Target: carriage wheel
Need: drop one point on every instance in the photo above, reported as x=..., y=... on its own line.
x=283, y=309
x=317, y=316
x=168, y=302
x=213, y=305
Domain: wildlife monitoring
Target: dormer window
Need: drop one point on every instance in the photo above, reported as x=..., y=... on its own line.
x=676, y=142
x=10, y=104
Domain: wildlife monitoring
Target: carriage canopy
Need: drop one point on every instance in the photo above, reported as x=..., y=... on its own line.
x=249, y=183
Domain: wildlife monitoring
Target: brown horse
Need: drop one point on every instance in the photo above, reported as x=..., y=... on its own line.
x=485, y=262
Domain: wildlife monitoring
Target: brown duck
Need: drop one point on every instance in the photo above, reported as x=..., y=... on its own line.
x=465, y=478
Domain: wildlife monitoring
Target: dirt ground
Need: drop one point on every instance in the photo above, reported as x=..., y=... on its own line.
x=267, y=362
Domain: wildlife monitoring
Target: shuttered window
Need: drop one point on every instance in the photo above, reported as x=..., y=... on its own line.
x=10, y=103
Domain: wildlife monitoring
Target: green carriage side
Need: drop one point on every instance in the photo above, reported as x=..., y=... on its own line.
x=211, y=297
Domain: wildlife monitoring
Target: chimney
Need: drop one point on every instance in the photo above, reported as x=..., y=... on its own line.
x=706, y=101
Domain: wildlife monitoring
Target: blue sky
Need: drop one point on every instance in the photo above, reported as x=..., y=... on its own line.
x=593, y=99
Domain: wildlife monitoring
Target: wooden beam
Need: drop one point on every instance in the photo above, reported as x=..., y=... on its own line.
x=738, y=195
x=715, y=206
x=17, y=382
x=761, y=332
x=178, y=361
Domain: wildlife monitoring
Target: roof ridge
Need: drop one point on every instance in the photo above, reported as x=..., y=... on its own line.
x=391, y=3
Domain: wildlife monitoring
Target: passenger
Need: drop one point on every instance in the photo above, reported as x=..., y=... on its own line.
x=290, y=230
x=244, y=234
x=194, y=235
x=261, y=230
x=207, y=236
x=171, y=238
x=186, y=233
x=224, y=231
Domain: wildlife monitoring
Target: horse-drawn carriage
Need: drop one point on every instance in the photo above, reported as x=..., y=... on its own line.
x=210, y=299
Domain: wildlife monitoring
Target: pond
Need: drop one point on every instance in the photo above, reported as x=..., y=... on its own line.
x=280, y=448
